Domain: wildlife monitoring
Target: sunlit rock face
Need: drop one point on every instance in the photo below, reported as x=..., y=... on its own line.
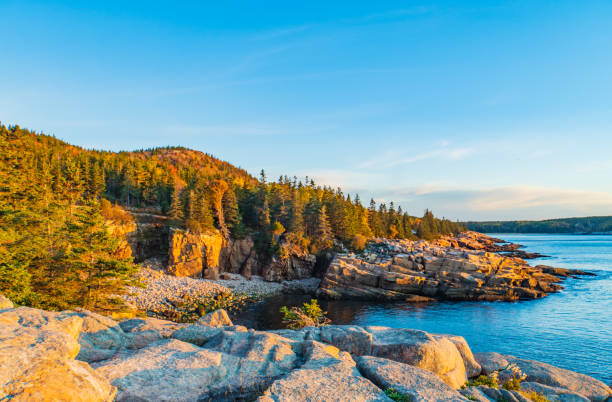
x=399, y=269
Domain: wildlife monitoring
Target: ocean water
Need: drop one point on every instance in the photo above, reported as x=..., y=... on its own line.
x=571, y=329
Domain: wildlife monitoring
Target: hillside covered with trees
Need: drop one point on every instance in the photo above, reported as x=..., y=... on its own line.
x=56, y=251
x=590, y=224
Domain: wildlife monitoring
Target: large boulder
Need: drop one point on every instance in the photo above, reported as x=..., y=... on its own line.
x=64, y=322
x=546, y=374
x=328, y=375
x=491, y=361
x=238, y=256
x=418, y=348
x=197, y=334
x=37, y=351
x=472, y=368
x=233, y=365
x=217, y=318
x=350, y=338
x=166, y=370
x=416, y=383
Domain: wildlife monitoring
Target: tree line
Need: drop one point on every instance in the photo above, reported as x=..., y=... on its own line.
x=590, y=224
x=56, y=251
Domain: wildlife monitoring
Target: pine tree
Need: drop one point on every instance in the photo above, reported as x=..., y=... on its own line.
x=177, y=207
x=323, y=236
x=231, y=214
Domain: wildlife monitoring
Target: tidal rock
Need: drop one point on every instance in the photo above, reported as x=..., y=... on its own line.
x=557, y=377
x=328, y=375
x=472, y=368
x=416, y=383
x=491, y=361
x=404, y=269
x=418, y=348
x=217, y=318
x=349, y=338
x=5, y=303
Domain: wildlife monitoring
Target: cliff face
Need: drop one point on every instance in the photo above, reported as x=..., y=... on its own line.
x=208, y=255
x=195, y=255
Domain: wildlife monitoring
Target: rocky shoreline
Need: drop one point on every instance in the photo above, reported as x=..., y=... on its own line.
x=82, y=356
x=469, y=266
x=450, y=268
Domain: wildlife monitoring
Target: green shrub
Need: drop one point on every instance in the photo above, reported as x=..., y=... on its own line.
x=513, y=384
x=396, y=396
x=189, y=309
x=482, y=380
x=535, y=397
x=309, y=315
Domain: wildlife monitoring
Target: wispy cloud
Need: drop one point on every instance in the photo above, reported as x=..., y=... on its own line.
x=443, y=150
x=348, y=180
x=511, y=202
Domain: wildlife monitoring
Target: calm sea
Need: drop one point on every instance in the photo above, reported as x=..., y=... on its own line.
x=571, y=329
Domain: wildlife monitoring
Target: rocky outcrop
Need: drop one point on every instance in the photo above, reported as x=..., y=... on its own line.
x=327, y=375
x=399, y=269
x=478, y=241
x=547, y=375
x=297, y=266
x=209, y=254
x=238, y=256
x=416, y=383
x=150, y=238
x=217, y=318
x=195, y=254
x=37, y=352
x=149, y=359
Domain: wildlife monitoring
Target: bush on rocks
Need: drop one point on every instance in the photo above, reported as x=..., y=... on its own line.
x=309, y=315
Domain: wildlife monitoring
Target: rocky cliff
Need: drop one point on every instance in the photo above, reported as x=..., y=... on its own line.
x=82, y=356
x=209, y=254
x=203, y=255
x=403, y=269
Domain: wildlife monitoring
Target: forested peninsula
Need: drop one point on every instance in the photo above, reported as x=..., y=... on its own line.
x=63, y=210
x=586, y=225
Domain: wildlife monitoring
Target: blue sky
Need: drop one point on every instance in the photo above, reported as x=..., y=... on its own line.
x=477, y=110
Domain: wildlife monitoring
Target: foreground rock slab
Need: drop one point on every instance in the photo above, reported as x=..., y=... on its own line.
x=44, y=356
x=416, y=383
x=37, y=351
x=328, y=375
x=565, y=381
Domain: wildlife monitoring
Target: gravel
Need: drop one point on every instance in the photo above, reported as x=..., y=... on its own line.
x=162, y=288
